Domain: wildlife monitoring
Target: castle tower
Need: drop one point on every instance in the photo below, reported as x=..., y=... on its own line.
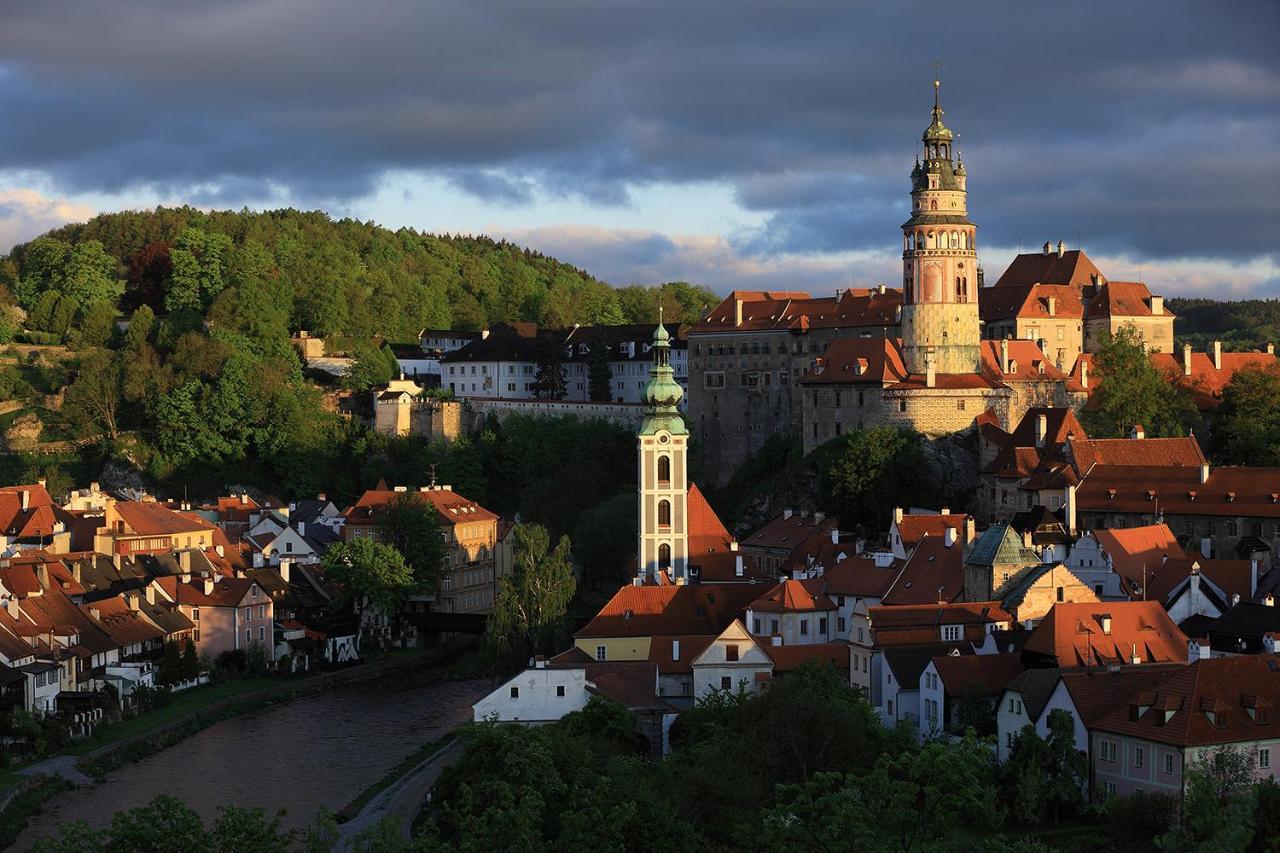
x=940, y=327
x=663, y=444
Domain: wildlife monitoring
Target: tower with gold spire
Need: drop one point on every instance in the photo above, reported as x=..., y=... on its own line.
x=940, y=329
x=663, y=442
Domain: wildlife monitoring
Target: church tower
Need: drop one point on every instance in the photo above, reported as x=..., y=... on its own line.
x=663, y=444
x=940, y=330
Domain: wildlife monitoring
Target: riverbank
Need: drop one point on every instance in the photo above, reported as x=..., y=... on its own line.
x=133, y=740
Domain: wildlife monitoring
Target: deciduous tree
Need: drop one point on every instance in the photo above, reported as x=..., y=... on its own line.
x=529, y=614
x=410, y=525
x=1134, y=391
x=1247, y=427
x=372, y=572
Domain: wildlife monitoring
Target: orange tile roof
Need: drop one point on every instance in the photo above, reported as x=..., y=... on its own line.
x=1073, y=268
x=1133, y=548
x=1027, y=363
x=1229, y=491
x=11, y=502
x=1175, y=706
x=1171, y=452
x=857, y=360
x=1123, y=299
x=691, y=645
x=933, y=573
x=783, y=533
x=147, y=518
x=915, y=527
x=707, y=534
x=647, y=611
x=450, y=506
x=227, y=592
x=857, y=575
x=920, y=623
x=1072, y=634
x=798, y=311
x=792, y=596
x=1030, y=301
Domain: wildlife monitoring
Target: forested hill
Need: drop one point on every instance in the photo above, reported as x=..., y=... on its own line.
x=333, y=277
x=1249, y=324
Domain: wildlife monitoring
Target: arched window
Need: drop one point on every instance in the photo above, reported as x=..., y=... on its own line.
x=955, y=240
x=664, y=556
x=933, y=204
x=664, y=513
x=919, y=240
x=664, y=469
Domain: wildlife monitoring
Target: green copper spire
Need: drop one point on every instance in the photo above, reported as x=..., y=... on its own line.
x=662, y=393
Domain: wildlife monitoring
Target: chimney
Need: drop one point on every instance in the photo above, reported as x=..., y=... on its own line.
x=1004, y=355
x=786, y=514
x=1270, y=600
x=150, y=591
x=1204, y=473
x=1253, y=578
x=948, y=537
x=1186, y=359
x=737, y=312
x=897, y=515
x=131, y=599
x=1062, y=248
x=95, y=614
x=733, y=545
x=1084, y=374
x=738, y=568
x=1235, y=599
x=946, y=510
x=1047, y=248
x=1134, y=657
x=1106, y=624
x=1269, y=644
x=539, y=662
x=244, y=497
x=1217, y=355
x=11, y=605
x=208, y=586
x=818, y=517
x=284, y=570
x=302, y=528
x=42, y=574
x=1271, y=349
x=26, y=499
x=219, y=550
x=75, y=571
x=1157, y=305
x=970, y=529
x=1071, y=510
x=675, y=648
x=880, y=289
x=320, y=497
x=117, y=561
x=1137, y=431
x=1042, y=428
x=1053, y=306
x=184, y=561
x=835, y=536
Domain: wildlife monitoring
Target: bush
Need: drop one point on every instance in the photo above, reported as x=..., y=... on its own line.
x=43, y=339
x=1141, y=814
x=232, y=663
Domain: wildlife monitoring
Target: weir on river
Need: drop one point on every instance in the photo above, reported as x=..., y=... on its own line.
x=317, y=751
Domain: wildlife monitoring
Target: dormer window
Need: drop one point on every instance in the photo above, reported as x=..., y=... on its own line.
x=1151, y=494
x=1191, y=495
x=951, y=633
x=1231, y=497
x=1111, y=494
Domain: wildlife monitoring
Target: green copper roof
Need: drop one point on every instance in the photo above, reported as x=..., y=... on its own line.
x=1000, y=545
x=663, y=392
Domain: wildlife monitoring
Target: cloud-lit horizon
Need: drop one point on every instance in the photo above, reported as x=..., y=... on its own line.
x=741, y=145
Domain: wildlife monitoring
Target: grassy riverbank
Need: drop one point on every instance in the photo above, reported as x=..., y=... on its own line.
x=183, y=703
x=14, y=818
x=410, y=761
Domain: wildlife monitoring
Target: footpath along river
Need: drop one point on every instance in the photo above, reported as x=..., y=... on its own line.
x=316, y=751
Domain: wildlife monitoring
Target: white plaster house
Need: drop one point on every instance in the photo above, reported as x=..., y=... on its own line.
x=733, y=661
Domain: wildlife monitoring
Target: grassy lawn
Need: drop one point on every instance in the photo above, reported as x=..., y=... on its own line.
x=183, y=703
x=411, y=761
x=14, y=818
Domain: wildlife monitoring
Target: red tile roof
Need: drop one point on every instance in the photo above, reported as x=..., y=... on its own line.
x=1133, y=548
x=857, y=360
x=788, y=658
x=1027, y=363
x=124, y=626
x=786, y=534
x=1229, y=491
x=1168, y=452
x=1215, y=701
x=933, y=573
x=647, y=611
x=1030, y=301
x=450, y=506
x=921, y=623
x=707, y=534
x=1073, y=634
x=691, y=645
x=11, y=502
x=798, y=311
x=989, y=673
x=1205, y=383
x=227, y=592
x=858, y=575
x=916, y=526
x=792, y=596
x=1074, y=268
x=1233, y=577
x=1123, y=299
x=148, y=518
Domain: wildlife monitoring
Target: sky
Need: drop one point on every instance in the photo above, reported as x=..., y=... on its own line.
x=733, y=144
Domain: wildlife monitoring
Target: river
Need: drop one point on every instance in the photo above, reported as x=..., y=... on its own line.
x=317, y=751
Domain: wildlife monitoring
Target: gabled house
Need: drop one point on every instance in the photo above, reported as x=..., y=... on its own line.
x=934, y=573
x=1106, y=634
x=907, y=530
x=948, y=681
x=148, y=527
x=734, y=661
x=228, y=613
x=797, y=611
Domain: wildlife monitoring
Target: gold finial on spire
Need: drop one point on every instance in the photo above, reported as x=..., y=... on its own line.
x=937, y=84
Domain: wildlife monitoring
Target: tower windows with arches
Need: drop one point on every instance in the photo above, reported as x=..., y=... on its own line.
x=664, y=556
x=664, y=469
x=664, y=513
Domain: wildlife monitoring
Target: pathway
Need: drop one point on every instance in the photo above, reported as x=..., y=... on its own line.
x=402, y=800
x=59, y=765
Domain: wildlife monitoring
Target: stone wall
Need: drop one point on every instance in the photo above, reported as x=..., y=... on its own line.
x=626, y=414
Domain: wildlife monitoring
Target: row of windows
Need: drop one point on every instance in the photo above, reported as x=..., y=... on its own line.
x=515, y=692
x=746, y=379
x=262, y=634
x=248, y=613
x=938, y=239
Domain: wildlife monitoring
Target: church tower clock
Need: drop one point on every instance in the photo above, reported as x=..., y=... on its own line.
x=663, y=444
x=940, y=329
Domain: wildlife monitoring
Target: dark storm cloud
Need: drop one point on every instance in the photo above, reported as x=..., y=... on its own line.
x=1142, y=127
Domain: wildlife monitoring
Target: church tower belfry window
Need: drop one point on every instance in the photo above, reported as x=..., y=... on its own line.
x=662, y=444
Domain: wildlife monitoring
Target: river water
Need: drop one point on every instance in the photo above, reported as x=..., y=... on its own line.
x=316, y=751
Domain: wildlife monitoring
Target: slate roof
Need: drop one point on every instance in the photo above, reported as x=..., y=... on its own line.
x=1248, y=620
x=1000, y=544
x=908, y=662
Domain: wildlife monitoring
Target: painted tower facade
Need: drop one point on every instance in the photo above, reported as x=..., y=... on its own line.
x=663, y=443
x=940, y=329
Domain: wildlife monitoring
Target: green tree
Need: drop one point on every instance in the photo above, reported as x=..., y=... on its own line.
x=141, y=325
x=1247, y=426
x=1046, y=774
x=199, y=274
x=371, y=369
x=529, y=615
x=865, y=473
x=372, y=572
x=190, y=661
x=599, y=379
x=97, y=325
x=1134, y=391
x=1218, y=806
x=973, y=711
x=604, y=539
x=171, y=663
x=88, y=274
x=549, y=378
x=410, y=525
x=93, y=400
